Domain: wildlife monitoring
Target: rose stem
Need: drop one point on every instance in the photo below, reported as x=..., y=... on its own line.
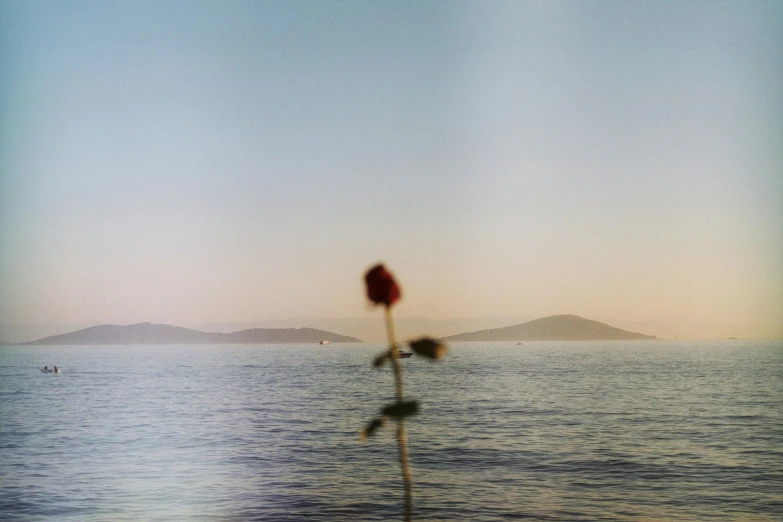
x=402, y=438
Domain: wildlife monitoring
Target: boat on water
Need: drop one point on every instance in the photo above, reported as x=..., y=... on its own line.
x=405, y=355
x=324, y=342
x=45, y=369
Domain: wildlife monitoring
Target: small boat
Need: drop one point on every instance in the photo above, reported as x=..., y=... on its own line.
x=324, y=342
x=48, y=370
x=405, y=355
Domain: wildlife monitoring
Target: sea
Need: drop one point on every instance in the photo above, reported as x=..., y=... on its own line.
x=636, y=431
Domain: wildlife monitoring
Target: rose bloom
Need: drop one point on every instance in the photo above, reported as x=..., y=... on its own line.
x=381, y=286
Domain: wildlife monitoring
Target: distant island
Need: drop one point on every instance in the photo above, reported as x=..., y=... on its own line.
x=148, y=333
x=554, y=328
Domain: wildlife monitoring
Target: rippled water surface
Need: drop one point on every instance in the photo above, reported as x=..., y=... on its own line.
x=541, y=431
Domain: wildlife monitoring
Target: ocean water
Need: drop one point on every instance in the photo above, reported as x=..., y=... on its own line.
x=542, y=431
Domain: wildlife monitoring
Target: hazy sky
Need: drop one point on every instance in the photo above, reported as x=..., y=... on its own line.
x=193, y=163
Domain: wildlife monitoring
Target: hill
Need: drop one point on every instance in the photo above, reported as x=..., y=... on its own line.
x=554, y=328
x=148, y=333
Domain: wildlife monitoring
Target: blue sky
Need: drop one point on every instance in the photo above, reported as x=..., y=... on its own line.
x=193, y=162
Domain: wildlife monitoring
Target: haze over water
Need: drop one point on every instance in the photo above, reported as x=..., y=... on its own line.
x=242, y=163
x=644, y=430
x=239, y=164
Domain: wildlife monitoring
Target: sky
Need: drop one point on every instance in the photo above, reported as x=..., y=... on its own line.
x=244, y=163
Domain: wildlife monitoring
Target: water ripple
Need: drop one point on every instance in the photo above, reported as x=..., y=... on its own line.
x=549, y=431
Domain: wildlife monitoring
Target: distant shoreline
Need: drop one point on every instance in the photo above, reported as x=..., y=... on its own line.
x=553, y=328
x=164, y=334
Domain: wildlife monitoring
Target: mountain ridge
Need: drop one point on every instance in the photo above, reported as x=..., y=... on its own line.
x=150, y=333
x=567, y=327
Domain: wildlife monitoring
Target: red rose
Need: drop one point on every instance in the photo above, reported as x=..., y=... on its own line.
x=381, y=286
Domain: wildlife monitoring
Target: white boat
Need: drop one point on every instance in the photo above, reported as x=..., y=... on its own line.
x=324, y=342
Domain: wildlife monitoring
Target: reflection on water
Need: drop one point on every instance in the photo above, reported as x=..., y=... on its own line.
x=547, y=431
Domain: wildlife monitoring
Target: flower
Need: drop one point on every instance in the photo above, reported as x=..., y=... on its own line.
x=381, y=286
